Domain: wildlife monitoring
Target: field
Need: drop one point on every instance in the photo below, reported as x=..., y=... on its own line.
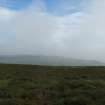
x=46, y=85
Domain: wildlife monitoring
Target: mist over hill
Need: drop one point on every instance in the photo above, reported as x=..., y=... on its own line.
x=47, y=60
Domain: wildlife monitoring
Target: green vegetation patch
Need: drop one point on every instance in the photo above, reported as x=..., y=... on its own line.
x=4, y=83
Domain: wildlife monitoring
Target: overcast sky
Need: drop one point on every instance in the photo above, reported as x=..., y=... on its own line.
x=72, y=28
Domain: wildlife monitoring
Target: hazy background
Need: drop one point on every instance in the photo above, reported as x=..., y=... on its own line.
x=71, y=28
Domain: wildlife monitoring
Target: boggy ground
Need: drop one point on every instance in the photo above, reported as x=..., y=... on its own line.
x=46, y=85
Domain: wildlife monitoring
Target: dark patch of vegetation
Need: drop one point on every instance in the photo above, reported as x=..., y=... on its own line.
x=48, y=85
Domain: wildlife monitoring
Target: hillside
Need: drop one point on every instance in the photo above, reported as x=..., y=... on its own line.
x=48, y=60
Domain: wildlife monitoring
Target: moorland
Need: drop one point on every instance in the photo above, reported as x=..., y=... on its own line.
x=51, y=85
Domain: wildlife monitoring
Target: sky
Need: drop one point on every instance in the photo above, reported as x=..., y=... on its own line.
x=70, y=28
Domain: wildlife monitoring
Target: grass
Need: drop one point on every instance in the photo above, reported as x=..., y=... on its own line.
x=47, y=85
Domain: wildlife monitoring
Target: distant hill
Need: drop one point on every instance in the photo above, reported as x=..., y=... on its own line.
x=48, y=60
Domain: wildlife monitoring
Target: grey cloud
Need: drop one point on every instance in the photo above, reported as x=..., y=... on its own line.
x=80, y=35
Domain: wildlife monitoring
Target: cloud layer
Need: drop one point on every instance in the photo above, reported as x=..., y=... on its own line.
x=36, y=31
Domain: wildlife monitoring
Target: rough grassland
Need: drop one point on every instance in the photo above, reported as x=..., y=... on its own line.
x=46, y=85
